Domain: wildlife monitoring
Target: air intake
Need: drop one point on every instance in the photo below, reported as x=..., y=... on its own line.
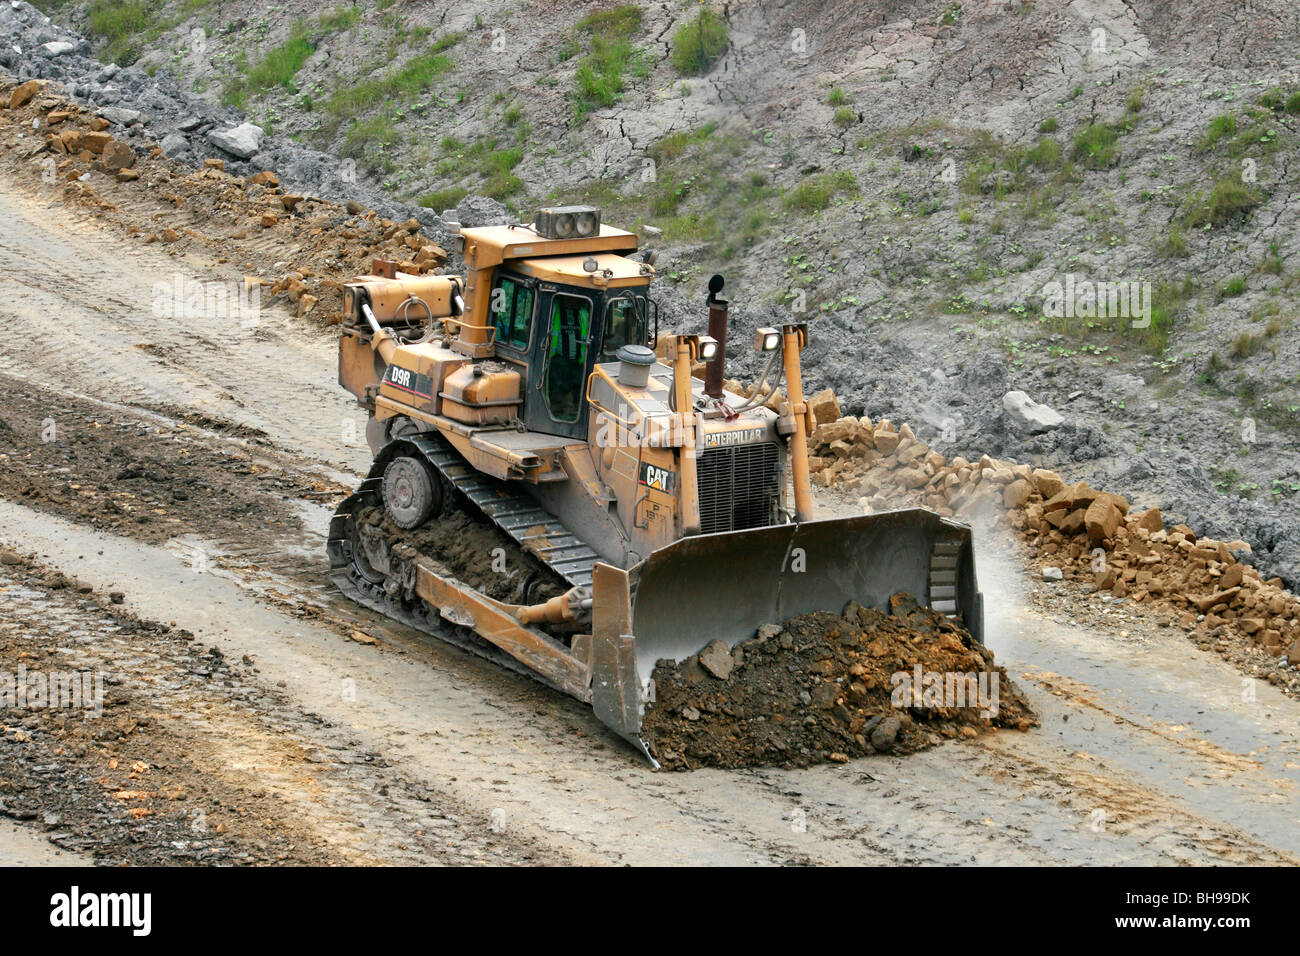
x=567, y=222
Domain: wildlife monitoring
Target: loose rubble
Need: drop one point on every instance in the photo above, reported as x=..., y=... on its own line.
x=831, y=687
x=1071, y=532
x=315, y=244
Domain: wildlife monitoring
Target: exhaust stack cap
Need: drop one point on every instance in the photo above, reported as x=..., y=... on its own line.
x=634, y=365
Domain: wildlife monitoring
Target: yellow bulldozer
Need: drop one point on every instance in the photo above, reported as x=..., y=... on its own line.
x=549, y=492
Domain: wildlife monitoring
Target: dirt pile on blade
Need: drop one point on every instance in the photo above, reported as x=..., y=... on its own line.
x=829, y=687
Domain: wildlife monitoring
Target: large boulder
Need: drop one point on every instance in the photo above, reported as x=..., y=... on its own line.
x=825, y=406
x=1102, y=520
x=120, y=115
x=117, y=155
x=174, y=144
x=1026, y=415
x=243, y=140
x=482, y=211
x=22, y=95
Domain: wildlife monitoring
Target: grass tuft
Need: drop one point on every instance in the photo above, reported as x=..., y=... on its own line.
x=699, y=43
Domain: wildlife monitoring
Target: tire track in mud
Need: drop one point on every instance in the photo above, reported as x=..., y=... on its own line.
x=188, y=757
x=95, y=324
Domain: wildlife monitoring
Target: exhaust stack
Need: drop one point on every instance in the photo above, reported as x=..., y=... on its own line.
x=718, y=312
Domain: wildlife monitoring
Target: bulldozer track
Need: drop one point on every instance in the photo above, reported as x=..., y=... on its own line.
x=414, y=614
x=512, y=511
x=536, y=530
x=515, y=513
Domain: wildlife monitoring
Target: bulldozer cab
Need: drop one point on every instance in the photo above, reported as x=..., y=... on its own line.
x=558, y=332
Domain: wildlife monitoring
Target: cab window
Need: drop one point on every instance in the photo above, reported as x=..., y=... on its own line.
x=512, y=312
x=566, y=356
x=624, y=325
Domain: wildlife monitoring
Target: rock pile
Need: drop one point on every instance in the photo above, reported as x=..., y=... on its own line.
x=830, y=687
x=151, y=107
x=304, y=246
x=1092, y=536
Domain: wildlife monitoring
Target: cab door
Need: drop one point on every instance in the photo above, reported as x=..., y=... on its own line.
x=563, y=354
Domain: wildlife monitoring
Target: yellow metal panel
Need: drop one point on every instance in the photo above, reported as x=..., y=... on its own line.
x=489, y=246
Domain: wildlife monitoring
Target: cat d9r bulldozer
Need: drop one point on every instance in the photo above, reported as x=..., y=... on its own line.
x=549, y=492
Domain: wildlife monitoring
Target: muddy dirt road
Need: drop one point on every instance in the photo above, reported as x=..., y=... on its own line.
x=305, y=742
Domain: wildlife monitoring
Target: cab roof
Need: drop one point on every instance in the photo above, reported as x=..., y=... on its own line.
x=488, y=246
x=611, y=270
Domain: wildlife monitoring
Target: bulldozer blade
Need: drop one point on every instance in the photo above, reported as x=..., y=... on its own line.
x=725, y=586
x=615, y=691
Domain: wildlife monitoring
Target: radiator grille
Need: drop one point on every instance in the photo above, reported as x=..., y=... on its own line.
x=739, y=487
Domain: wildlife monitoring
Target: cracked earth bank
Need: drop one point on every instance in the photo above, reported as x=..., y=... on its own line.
x=253, y=716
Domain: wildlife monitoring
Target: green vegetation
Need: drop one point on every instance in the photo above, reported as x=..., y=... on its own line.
x=676, y=144
x=128, y=26
x=1000, y=170
x=119, y=22
x=1095, y=146
x=816, y=192
x=1136, y=99
x=837, y=97
x=500, y=181
x=1293, y=103
x=1245, y=345
x=368, y=138
x=1168, y=300
x=1049, y=125
x=1221, y=127
x=1045, y=154
x=280, y=67
x=599, y=79
x=282, y=64
x=1272, y=264
x=699, y=43
x=340, y=18
x=1273, y=98
x=494, y=161
x=1232, y=288
x=443, y=198
x=845, y=116
x=412, y=78
x=1230, y=200
x=1174, y=245
x=1249, y=132
x=699, y=190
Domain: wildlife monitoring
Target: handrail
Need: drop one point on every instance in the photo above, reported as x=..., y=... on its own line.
x=491, y=329
x=601, y=408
